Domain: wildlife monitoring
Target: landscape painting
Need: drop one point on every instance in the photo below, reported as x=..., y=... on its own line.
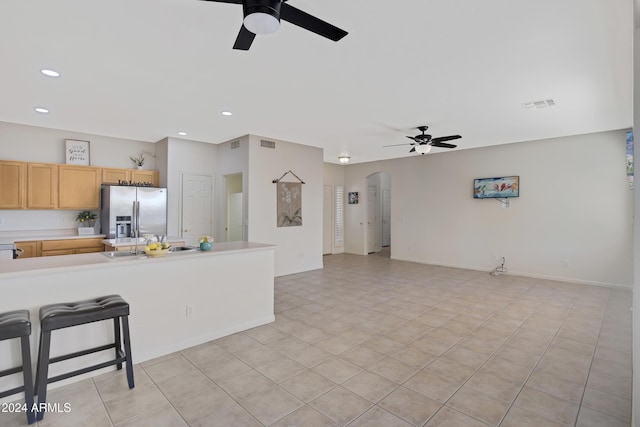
x=496, y=188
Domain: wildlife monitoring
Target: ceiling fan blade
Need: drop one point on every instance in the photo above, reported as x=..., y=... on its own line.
x=446, y=138
x=412, y=150
x=311, y=23
x=442, y=144
x=227, y=1
x=244, y=39
x=395, y=145
x=413, y=138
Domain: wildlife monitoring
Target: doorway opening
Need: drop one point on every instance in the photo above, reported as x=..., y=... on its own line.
x=234, y=202
x=378, y=230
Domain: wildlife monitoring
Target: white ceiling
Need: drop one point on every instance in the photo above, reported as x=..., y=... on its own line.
x=146, y=69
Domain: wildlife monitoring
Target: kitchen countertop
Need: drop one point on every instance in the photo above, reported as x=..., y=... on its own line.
x=31, y=235
x=44, y=265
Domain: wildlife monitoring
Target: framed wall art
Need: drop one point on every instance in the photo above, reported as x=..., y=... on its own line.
x=353, y=197
x=496, y=188
x=76, y=152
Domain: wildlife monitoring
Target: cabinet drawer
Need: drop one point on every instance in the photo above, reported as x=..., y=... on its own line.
x=56, y=245
x=58, y=252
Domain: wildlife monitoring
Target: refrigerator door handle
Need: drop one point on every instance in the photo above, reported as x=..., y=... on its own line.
x=138, y=218
x=134, y=221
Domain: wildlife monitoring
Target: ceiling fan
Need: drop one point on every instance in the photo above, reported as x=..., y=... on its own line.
x=263, y=17
x=423, y=142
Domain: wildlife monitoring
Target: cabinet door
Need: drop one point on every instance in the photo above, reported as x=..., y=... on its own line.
x=29, y=249
x=79, y=187
x=13, y=181
x=112, y=176
x=42, y=186
x=145, y=176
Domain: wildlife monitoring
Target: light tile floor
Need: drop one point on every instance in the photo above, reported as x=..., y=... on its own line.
x=369, y=341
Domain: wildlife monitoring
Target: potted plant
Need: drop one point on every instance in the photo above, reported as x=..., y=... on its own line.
x=138, y=159
x=86, y=222
x=205, y=243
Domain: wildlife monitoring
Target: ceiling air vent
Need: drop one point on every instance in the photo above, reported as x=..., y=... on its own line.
x=235, y=144
x=267, y=144
x=537, y=105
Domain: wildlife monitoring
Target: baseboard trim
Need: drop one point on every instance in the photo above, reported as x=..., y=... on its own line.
x=575, y=280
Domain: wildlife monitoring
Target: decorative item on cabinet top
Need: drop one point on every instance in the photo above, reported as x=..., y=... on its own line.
x=138, y=160
x=76, y=152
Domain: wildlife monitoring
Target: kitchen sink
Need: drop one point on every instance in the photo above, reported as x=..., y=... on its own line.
x=121, y=254
x=183, y=248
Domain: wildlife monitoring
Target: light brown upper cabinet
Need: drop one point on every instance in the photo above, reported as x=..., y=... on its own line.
x=145, y=176
x=112, y=176
x=13, y=178
x=79, y=187
x=42, y=186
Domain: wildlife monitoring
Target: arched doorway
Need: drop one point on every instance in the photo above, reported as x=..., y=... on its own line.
x=378, y=199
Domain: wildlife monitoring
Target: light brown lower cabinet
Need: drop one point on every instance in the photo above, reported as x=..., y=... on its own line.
x=68, y=246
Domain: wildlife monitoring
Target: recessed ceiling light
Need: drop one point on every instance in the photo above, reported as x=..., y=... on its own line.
x=182, y=133
x=41, y=110
x=50, y=73
x=227, y=113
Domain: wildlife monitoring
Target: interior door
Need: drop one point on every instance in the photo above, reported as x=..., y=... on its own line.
x=234, y=217
x=386, y=217
x=372, y=210
x=197, y=216
x=327, y=220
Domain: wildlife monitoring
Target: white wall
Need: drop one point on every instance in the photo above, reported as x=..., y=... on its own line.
x=37, y=144
x=575, y=205
x=298, y=248
x=636, y=223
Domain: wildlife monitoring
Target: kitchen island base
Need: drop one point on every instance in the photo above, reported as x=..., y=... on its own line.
x=177, y=301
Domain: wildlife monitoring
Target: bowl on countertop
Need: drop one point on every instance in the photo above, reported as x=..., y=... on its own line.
x=156, y=252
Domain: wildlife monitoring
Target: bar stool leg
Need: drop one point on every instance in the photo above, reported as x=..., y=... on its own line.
x=42, y=373
x=118, y=341
x=28, y=379
x=127, y=350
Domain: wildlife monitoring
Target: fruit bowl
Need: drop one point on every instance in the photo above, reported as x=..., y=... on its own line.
x=156, y=252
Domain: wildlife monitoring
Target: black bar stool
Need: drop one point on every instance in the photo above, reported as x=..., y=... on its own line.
x=64, y=315
x=16, y=324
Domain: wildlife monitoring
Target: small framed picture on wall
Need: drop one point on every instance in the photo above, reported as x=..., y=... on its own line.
x=76, y=152
x=353, y=197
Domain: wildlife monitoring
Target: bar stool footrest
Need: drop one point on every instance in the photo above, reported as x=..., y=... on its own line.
x=81, y=353
x=85, y=370
x=19, y=389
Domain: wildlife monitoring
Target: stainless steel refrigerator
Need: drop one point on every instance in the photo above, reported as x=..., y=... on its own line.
x=129, y=211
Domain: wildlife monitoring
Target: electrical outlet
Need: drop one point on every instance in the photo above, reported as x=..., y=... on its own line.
x=189, y=311
x=1, y=221
x=565, y=263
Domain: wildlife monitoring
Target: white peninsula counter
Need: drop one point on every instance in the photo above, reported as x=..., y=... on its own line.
x=176, y=301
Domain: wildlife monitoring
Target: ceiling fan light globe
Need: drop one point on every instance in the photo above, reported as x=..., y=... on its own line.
x=423, y=149
x=261, y=23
